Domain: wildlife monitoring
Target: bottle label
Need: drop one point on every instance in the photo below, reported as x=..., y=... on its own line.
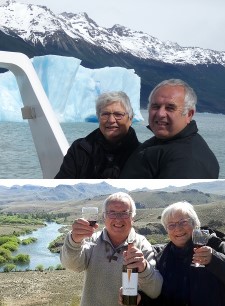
x=129, y=282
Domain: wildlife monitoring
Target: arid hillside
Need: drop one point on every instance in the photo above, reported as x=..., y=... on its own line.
x=33, y=288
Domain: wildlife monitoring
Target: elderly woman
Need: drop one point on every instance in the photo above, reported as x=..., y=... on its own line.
x=103, y=152
x=185, y=284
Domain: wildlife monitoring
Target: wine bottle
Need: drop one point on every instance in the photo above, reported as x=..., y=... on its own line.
x=129, y=284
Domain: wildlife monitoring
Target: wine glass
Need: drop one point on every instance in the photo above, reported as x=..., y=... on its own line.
x=91, y=215
x=200, y=238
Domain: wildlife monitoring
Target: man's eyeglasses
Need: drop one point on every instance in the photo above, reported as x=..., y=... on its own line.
x=118, y=215
x=116, y=115
x=182, y=223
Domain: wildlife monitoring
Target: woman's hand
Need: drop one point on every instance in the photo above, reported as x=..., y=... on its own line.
x=202, y=255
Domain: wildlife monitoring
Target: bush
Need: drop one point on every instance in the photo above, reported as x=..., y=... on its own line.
x=10, y=245
x=13, y=239
x=2, y=260
x=21, y=258
x=59, y=267
x=9, y=267
x=4, y=239
x=39, y=268
x=29, y=240
x=5, y=253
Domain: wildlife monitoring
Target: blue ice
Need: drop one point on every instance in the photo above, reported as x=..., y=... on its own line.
x=71, y=88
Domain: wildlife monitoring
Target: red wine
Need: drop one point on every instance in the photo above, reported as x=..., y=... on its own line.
x=92, y=223
x=130, y=285
x=196, y=245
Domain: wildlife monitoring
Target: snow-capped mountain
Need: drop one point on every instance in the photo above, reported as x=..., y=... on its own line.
x=37, y=24
x=36, y=30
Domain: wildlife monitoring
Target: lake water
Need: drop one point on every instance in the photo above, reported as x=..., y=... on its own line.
x=19, y=159
x=38, y=251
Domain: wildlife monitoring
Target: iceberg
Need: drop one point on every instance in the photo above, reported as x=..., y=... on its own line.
x=71, y=88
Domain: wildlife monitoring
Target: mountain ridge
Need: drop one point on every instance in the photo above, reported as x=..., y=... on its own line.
x=116, y=39
x=80, y=191
x=77, y=35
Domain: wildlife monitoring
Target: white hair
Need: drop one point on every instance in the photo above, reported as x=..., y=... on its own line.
x=120, y=197
x=190, y=97
x=111, y=97
x=185, y=208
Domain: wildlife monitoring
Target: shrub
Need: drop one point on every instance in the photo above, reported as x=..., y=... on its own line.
x=4, y=239
x=13, y=239
x=39, y=268
x=2, y=260
x=9, y=267
x=29, y=240
x=59, y=267
x=21, y=258
x=10, y=245
x=5, y=253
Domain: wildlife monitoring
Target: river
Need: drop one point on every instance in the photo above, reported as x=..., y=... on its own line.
x=38, y=251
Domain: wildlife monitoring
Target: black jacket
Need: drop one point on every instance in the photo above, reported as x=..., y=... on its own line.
x=185, y=285
x=94, y=157
x=185, y=156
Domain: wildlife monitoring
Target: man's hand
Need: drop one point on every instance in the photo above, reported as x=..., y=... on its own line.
x=81, y=229
x=134, y=258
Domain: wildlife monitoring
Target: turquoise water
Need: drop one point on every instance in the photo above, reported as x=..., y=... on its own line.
x=38, y=251
x=19, y=159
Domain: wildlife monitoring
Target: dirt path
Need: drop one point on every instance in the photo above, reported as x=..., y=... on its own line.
x=55, y=288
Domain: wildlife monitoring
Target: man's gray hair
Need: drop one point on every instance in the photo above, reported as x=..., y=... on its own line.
x=183, y=207
x=190, y=97
x=108, y=98
x=120, y=197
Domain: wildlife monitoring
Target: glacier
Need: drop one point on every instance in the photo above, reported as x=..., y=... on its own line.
x=71, y=88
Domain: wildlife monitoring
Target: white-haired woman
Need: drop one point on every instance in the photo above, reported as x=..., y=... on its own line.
x=184, y=284
x=103, y=153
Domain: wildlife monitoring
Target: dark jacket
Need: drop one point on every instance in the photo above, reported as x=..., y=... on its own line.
x=186, y=285
x=94, y=157
x=185, y=156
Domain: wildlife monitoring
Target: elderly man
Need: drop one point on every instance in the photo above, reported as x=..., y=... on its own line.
x=103, y=261
x=177, y=150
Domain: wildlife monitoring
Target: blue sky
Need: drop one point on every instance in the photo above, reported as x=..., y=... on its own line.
x=195, y=23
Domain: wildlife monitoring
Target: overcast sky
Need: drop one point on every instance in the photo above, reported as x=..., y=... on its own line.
x=192, y=23
x=129, y=184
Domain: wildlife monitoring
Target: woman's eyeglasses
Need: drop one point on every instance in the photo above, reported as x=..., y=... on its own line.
x=116, y=115
x=182, y=223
